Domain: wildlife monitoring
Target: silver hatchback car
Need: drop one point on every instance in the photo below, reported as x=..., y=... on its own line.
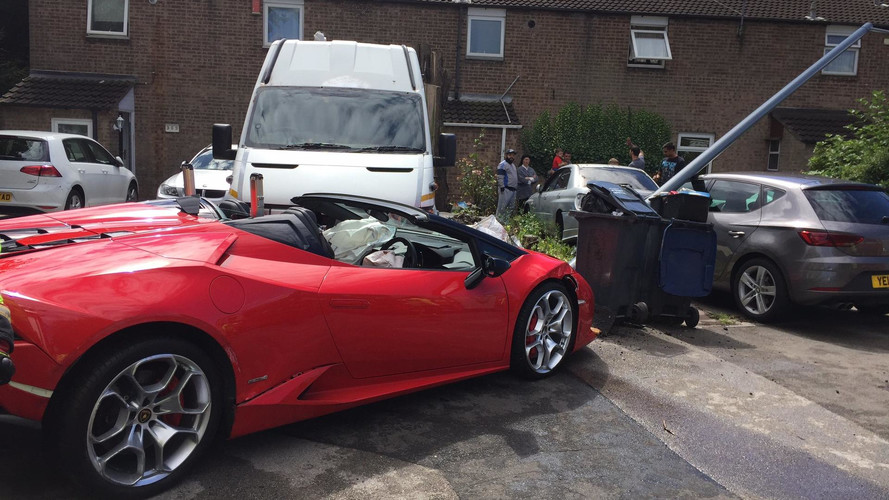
x=792, y=238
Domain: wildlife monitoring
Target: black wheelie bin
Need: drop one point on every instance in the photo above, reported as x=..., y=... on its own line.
x=639, y=264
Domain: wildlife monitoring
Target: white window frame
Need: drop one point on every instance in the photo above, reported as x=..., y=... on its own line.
x=711, y=138
x=776, y=153
x=480, y=14
x=648, y=25
x=843, y=31
x=126, y=21
x=73, y=121
x=281, y=4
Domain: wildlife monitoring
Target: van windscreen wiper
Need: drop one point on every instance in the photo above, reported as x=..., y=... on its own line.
x=315, y=145
x=391, y=148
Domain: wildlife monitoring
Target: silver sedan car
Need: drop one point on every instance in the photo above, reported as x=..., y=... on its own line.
x=563, y=191
x=791, y=238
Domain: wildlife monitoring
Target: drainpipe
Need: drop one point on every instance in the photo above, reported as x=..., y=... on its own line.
x=725, y=141
x=457, y=59
x=95, y=125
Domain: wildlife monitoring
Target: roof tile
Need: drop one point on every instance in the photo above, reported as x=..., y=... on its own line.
x=69, y=90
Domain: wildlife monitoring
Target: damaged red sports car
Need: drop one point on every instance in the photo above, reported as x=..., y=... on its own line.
x=143, y=331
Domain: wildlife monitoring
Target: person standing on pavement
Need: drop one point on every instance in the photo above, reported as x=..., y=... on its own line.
x=670, y=165
x=507, y=181
x=527, y=178
x=637, y=161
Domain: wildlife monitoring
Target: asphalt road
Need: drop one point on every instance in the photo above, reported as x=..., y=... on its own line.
x=720, y=411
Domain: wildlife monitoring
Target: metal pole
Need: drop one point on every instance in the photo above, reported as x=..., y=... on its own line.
x=725, y=141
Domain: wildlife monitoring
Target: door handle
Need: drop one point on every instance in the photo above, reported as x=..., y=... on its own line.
x=349, y=303
x=736, y=234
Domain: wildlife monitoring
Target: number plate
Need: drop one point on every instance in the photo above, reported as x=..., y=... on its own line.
x=880, y=281
x=5, y=197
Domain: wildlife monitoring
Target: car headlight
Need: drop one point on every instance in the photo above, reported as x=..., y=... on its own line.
x=168, y=190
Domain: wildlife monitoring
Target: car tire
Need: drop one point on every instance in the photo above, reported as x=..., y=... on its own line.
x=560, y=226
x=759, y=290
x=138, y=417
x=545, y=331
x=75, y=200
x=132, y=192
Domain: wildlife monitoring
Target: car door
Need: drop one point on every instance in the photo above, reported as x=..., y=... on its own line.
x=735, y=212
x=80, y=156
x=552, y=194
x=389, y=321
x=113, y=182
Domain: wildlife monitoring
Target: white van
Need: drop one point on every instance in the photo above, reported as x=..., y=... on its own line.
x=337, y=117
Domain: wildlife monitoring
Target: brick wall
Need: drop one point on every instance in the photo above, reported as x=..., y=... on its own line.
x=196, y=62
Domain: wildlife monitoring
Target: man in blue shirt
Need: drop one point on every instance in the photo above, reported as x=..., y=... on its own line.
x=670, y=165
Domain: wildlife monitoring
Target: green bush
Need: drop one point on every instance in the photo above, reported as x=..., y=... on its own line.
x=537, y=236
x=595, y=134
x=478, y=182
x=862, y=155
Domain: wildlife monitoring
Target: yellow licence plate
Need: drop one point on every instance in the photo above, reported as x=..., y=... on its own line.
x=880, y=281
x=5, y=197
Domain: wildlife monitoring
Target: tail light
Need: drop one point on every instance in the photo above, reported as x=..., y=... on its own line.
x=825, y=239
x=41, y=171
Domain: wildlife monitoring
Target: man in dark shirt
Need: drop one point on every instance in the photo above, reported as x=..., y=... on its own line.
x=670, y=165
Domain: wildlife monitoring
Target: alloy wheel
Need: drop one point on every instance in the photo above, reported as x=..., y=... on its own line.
x=149, y=420
x=548, y=332
x=757, y=290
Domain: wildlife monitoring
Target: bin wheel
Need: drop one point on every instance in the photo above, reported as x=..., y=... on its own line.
x=639, y=312
x=692, y=316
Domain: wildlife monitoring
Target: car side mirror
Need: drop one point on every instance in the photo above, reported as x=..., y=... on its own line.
x=492, y=267
x=495, y=267
x=118, y=161
x=222, y=142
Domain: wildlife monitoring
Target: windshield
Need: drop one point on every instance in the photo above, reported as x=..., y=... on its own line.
x=205, y=161
x=337, y=119
x=634, y=178
x=850, y=205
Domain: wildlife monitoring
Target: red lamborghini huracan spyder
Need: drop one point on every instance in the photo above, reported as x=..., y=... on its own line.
x=143, y=331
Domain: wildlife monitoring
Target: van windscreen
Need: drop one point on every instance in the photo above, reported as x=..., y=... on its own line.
x=337, y=119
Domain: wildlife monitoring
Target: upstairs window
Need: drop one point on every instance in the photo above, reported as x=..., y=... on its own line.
x=485, y=33
x=847, y=63
x=107, y=17
x=282, y=19
x=649, y=43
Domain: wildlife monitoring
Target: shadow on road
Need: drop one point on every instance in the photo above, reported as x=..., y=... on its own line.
x=846, y=328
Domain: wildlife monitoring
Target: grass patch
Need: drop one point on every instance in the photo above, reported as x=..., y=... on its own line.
x=723, y=318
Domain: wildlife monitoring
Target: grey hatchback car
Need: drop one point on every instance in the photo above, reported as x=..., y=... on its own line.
x=792, y=238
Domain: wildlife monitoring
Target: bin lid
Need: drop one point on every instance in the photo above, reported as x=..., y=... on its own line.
x=625, y=199
x=684, y=192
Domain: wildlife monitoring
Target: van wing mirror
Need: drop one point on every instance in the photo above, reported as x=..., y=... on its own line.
x=222, y=142
x=447, y=151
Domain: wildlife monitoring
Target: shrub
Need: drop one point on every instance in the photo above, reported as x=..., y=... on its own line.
x=478, y=182
x=862, y=155
x=594, y=134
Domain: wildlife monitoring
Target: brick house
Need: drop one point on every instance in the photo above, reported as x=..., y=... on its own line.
x=169, y=69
